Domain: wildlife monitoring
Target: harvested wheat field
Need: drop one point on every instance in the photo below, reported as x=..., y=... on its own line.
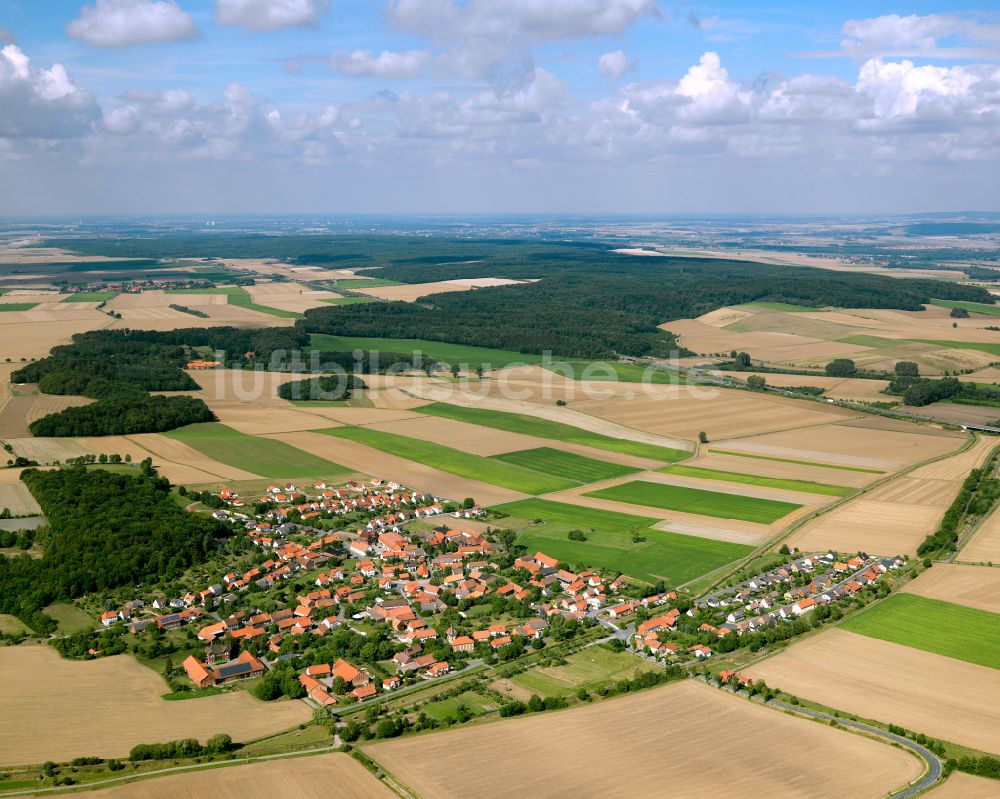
x=172, y=456
x=965, y=786
x=882, y=528
x=958, y=466
x=411, y=292
x=330, y=776
x=973, y=586
x=846, y=388
x=17, y=498
x=263, y=419
x=679, y=411
x=788, y=471
x=31, y=334
x=867, y=446
x=661, y=742
x=984, y=546
x=373, y=462
x=60, y=709
x=243, y=385
x=936, y=695
x=46, y=404
x=461, y=435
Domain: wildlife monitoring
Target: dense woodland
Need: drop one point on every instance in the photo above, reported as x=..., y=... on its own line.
x=333, y=388
x=587, y=302
x=118, y=370
x=105, y=530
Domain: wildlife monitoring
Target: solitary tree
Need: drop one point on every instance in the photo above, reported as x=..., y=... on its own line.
x=703, y=437
x=907, y=369
x=840, y=367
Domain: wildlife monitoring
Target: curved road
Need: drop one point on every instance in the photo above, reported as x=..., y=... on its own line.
x=934, y=768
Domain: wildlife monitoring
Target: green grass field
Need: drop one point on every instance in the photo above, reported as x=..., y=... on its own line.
x=694, y=500
x=452, y=353
x=557, y=431
x=10, y=625
x=792, y=460
x=448, y=708
x=91, y=296
x=70, y=619
x=10, y=307
x=752, y=479
x=565, y=464
x=437, y=456
x=238, y=296
x=971, y=307
x=671, y=557
x=587, y=669
x=263, y=456
x=933, y=626
x=886, y=343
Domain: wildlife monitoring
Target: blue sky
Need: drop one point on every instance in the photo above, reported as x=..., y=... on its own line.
x=497, y=105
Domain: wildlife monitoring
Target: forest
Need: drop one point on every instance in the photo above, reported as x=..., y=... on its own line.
x=329, y=388
x=588, y=301
x=124, y=415
x=106, y=530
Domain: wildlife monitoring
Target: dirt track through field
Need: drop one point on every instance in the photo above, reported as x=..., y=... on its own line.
x=973, y=586
x=665, y=742
x=56, y=709
x=936, y=695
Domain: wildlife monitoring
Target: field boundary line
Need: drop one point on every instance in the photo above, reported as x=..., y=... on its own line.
x=796, y=524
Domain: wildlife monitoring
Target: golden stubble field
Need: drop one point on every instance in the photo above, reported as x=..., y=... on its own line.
x=936, y=695
x=897, y=515
x=965, y=786
x=671, y=741
x=973, y=586
x=984, y=546
x=331, y=776
x=56, y=709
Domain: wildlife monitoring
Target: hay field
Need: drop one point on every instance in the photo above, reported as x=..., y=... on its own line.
x=984, y=546
x=45, y=404
x=31, y=334
x=411, y=292
x=373, y=462
x=868, y=446
x=330, y=776
x=17, y=497
x=958, y=466
x=965, y=786
x=680, y=412
x=667, y=741
x=973, y=586
x=933, y=694
x=65, y=709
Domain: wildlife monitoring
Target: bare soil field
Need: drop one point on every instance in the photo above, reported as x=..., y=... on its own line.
x=845, y=444
x=789, y=471
x=936, y=695
x=965, y=786
x=984, y=546
x=331, y=776
x=60, y=709
x=17, y=497
x=411, y=292
x=369, y=461
x=569, y=753
x=973, y=586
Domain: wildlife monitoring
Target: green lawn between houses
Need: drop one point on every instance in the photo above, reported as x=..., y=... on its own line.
x=453, y=461
x=588, y=668
x=695, y=500
x=565, y=464
x=753, y=479
x=557, y=431
x=263, y=456
x=934, y=626
x=659, y=555
x=451, y=353
x=70, y=619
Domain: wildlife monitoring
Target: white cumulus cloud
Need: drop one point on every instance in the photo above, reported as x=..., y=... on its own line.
x=388, y=65
x=41, y=103
x=269, y=15
x=613, y=65
x=123, y=23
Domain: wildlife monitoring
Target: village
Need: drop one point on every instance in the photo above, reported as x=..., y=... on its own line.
x=337, y=617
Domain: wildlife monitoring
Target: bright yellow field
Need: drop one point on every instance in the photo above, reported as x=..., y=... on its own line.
x=56, y=709
x=332, y=776
x=671, y=741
